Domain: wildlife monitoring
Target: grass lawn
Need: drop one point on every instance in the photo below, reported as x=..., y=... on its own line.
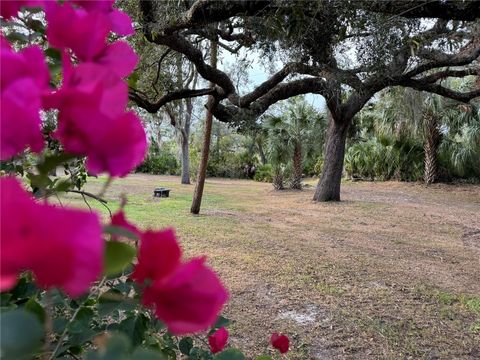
x=391, y=272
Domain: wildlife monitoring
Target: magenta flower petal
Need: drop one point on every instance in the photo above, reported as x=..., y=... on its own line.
x=280, y=342
x=218, y=340
x=24, y=80
x=28, y=63
x=95, y=5
x=121, y=149
x=189, y=300
x=119, y=57
x=119, y=219
x=20, y=120
x=62, y=247
x=121, y=23
x=87, y=31
x=11, y=8
x=159, y=255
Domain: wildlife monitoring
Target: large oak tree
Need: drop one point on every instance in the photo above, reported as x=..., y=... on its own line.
x=345, y=51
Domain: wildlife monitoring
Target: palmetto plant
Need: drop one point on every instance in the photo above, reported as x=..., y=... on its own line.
x=291, y=137
x=408, y=114
x=413, y=133
x=460, y=148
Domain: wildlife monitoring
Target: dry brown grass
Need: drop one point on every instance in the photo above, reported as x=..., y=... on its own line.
x=391, y=272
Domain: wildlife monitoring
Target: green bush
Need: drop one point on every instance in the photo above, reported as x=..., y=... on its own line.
x=380, y=159
x=163, y=164
x=264, y=173
x=226, y=166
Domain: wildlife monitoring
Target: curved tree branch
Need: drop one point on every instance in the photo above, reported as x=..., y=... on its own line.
x=153, y=107
x=421, y=85
x=467, y=10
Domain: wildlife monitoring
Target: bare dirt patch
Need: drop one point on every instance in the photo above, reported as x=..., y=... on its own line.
x=391, y=272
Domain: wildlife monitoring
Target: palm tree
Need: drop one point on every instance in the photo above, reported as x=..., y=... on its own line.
x=291, y=138
x=443, y=125
x=408, y=114
x=460, y=148
x=278, y=149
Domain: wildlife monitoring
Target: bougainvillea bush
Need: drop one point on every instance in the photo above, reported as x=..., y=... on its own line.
x=72, y=286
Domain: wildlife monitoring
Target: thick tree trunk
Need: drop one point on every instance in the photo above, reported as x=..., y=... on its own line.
x=328, y=188
x=185, y=148
x=432, y=141
x=297, y=167
x=202, y=169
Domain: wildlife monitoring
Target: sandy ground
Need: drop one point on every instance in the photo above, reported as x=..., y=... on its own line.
x=391, y=272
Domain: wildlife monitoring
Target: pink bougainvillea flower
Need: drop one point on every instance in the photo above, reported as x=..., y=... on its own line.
x=62, y=247
x=188, y=300
x=85, y=33
x=119, y=220
x=27, y=63
x=159, y=255
x=24, y=79
x=120, y=22
x=11, y=8
x=20, y=119
x=280, y=342
x=121, y=148
x=92, y=120
x=218, y=340
x=119, y=57
x=93, y=86
x=186, y=296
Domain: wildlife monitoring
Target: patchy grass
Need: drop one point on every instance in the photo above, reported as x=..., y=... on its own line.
x=391, y=272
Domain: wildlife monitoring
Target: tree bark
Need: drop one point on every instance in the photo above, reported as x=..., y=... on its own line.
x=430, y=148
x=185, y=148
x=297, y=167
x=202, y=169
x=185, y=145
x=277, y=180
x=328, y=188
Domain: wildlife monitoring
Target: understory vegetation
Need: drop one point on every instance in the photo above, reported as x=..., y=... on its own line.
x=388, y=140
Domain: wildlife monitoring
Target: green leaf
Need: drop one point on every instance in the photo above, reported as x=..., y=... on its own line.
x=37, y=25
x=118, y=256
x=185, y=345
x=21, y=334
x=118, y=348
x=63, y=185
x=133, y=79
x=80, y=330
x=119, y=231
x=51, y=162
x=147, y=354
x=230, y=354
x=39, y=181
x=221, y=321
x=200, y=354
x=53, y=54
x=59, y=325
x=16, y=36
x=35, y=308
x=24, y=289
x=263, y=357
x=113, y=300
x=5, y=299
x=134, y=327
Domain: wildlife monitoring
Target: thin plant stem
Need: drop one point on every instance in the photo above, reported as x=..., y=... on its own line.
x=64, y=333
